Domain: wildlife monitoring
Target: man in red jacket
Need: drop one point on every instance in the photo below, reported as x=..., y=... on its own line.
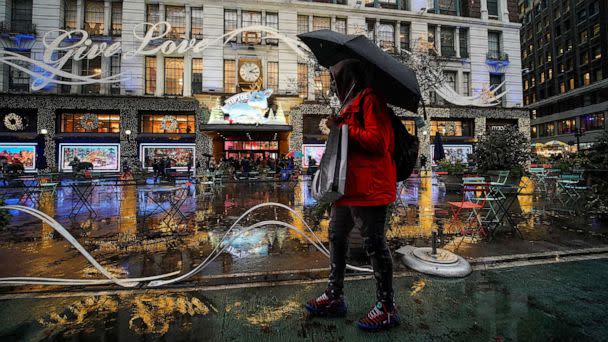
x=370, y=187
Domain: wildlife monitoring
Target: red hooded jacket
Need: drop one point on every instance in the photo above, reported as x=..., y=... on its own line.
x=371, y=177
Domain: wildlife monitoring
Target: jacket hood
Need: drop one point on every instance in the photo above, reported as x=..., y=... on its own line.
x=347, y=73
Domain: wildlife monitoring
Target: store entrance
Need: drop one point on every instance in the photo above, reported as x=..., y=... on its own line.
x=260, y=149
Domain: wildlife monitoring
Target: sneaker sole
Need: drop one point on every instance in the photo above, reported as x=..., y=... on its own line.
x=321, y=313
x=374, y=329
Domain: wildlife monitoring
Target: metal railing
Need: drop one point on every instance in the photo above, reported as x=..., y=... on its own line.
x=16, y=27
x=497, y=56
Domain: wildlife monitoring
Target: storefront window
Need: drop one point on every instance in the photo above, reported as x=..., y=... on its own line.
x=174, y=76
x=451, y=128
x=251, y=149
x=153, y=123
x=82, y=123
x=567, y=126
x=590, y=122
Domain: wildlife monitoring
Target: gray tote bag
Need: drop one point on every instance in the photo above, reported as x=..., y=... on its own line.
x=329, y=182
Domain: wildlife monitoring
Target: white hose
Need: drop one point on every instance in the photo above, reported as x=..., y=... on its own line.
x=154, y=280
x=54, y=281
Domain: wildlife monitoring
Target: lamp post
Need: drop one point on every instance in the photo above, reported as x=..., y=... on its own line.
x=578, y=134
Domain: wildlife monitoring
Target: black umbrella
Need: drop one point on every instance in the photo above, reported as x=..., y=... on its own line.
x=396, y=81
x=438, y=152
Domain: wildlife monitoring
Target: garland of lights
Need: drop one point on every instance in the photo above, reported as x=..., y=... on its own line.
x=168, y=123
x=89, y=122
x=13, y=122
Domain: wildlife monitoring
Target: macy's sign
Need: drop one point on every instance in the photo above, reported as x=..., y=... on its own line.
x=76, y=45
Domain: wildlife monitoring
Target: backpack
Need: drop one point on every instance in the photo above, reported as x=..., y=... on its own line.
x=405, y=153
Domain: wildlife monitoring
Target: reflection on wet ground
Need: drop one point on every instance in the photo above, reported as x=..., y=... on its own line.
x=120, y=239
x=557, y=302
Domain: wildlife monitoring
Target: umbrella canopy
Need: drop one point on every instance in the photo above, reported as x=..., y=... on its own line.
x=394, y=80
x=438, y=151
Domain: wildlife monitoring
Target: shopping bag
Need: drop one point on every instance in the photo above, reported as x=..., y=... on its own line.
x=329, y=182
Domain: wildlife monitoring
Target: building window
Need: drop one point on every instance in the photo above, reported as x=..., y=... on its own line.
x=447, y=42
x=410, y=125
x=495, y=81
x=571, y=84
x=567, y=126
x=303, y=24
x=547, y=129
x=251, y=19
x=340, y=25
x=116, y=18
x=115, y=62
x=67, y=67
x=230, y=22
x=229, y=76
x=404, y=36
x=492, y=8
x=69, y=14
x=197, y=75
x=93, y=17
x=494, y=43
x=386, y=36
x=431, y=37
x=583, y=36
x=370, y=26
x=174, y=76
x=584, y=58
x=448, y=7
x=322, y=83
x=464, y=42
x=91, y=67
x=466, y=84
x=176, y=17
x=272, y=69
x=586, y=78
x=596, y=30
x=72, y=123
x=303, y=80
x=19, y=80
x=451, y=128
x=550, y=73
x=450, y=78
x=21, y=16
x=196, y=22
x=150, y=75
x=591, y=122
x=272, y=21
x=321, y=23
x=152, y=123
x=152, y=14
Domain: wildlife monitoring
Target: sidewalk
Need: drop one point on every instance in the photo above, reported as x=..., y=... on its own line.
x=564, y=301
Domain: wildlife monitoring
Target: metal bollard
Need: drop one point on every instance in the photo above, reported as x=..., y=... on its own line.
x=434, y=243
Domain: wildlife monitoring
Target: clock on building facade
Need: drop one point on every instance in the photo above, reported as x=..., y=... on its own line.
x=250, y=73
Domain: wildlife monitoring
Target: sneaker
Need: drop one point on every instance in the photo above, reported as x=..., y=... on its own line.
x=380, y=317
x=326, y=307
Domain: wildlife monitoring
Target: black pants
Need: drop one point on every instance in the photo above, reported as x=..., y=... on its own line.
x=370, y=221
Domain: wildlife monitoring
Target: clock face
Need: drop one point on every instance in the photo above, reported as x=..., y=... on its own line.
x=249, y=72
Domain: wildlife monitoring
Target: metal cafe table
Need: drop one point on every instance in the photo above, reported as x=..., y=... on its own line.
x=83, y=189
x=506, y=195
x=174, y=196
x=29, y=188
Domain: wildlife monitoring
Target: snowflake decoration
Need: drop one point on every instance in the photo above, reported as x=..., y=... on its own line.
x=13, y=122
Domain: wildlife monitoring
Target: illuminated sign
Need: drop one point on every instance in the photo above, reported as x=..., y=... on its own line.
x=77, y=45
x=247, y=108
x=454, y=153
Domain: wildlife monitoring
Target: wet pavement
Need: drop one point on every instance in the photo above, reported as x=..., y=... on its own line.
x=129, y=244
x=557, y=302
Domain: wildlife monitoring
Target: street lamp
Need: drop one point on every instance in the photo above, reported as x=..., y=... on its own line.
x=578, y=134
x=44, y=131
